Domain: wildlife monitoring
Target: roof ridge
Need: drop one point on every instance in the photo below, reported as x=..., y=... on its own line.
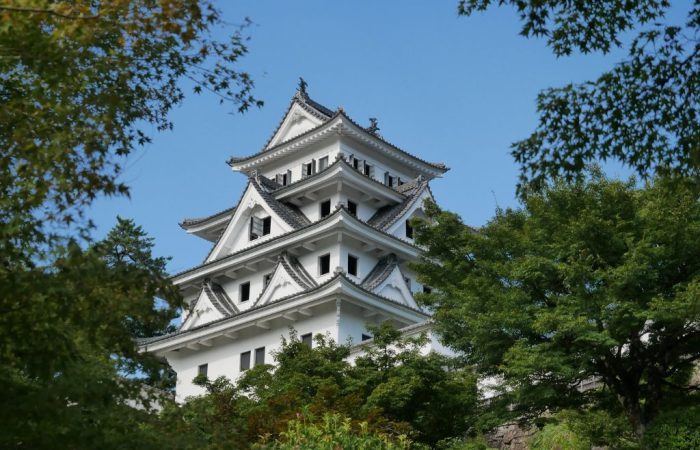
x=289, y=213
x=380, y=271
x=195, y=220
x=386, y=216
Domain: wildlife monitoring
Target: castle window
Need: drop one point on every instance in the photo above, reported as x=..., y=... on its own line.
x=308, y=169
x=245, y=291
x=259, y=356
x=427, y=289
x=324, y=264
x=259, y=226
x=284, y=178
x=352, y=265
x=202, y=370
x=322, y=163
x=409, y=229
x=368, y=169
x=306, y=339
x=245, y=361
x=389, y=180
x=352, y=208
x=325, y=208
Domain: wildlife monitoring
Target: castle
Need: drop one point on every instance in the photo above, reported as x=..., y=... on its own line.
x=320, y=241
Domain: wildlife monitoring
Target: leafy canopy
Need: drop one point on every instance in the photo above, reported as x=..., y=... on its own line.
x=642, y=112
x=589, y=280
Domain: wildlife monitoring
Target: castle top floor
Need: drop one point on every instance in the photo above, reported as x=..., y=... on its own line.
x=310, y=137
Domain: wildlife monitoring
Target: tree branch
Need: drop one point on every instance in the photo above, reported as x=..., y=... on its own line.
x=46, y=11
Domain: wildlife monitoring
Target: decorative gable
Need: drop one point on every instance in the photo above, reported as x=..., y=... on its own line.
x=257, y=218
x=387, y=280
x=297, y=121
x=288, y=278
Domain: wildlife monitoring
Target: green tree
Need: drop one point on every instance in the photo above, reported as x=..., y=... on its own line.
x=593, y=279
x=334, y=432
x=81, y=82
x=643, y=112
x=393, y=389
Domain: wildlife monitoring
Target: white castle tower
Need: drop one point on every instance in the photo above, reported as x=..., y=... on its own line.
x=319, y=241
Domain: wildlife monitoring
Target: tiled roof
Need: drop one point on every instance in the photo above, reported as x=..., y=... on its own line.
x=297, y=271
x=197, y=220
x=289, y=213
x=218, y=297
x=312, y=107
x=283, y=235
x=380, y=272
x=145, y=341
x=332, y=166
x=236, y=159
x=387, y=215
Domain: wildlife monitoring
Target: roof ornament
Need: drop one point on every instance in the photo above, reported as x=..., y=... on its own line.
x=302, y=87
x=373, y=126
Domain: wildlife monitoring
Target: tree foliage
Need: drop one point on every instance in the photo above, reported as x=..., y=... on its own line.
x=643, y=112
x=82, y=81
x=391, y=391
x=589, y=280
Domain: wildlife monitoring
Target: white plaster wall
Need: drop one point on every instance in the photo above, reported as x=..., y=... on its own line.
x=233, y=289
x=223, y=358
x=328, y=147
x=365, y=264
x=313, y=210
x=240, y=237
x=381, y=165
x=310, y=261
x=352, y=324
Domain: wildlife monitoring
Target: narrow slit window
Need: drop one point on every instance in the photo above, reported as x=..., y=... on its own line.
x=266, y=225
x=325, y=208
x=324, y=264
x=202, y=370
x=306, y=339
x=266, y=279
x=352, y=208
x=245, y=361
x=409, y=229
x=352, y=265
x=245, y=291
x=259, y=356
x=368, y=170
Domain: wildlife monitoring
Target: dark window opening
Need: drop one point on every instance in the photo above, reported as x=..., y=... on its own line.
x=245, y=361
x=368, y=169
x=245, y=291
x=266, y=279
x=356, y=163
x=259, y=356
x=409, y=230
x=284, y=178
x=259, y=226
x=202, y=370
x=325, y=208
x=352, y=265
x=366, y=337
x=427, y=289
x=352, y=208
x=306, y=339
x=324, y=264
x=388, y=179
x=309, y=168
x=323, y=163
x=408, y=282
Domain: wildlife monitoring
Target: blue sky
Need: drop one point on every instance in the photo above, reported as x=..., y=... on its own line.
x=446, y=88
